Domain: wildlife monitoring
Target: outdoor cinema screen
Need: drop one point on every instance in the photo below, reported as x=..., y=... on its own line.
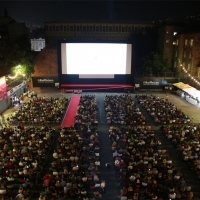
x=96, y=60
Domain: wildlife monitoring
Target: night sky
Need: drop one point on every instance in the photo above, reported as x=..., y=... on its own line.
x=36, y=12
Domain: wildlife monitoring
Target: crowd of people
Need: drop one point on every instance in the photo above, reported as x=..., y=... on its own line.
x=74, y=170
x=121, y=109
x=143, y=167
x=40, y=111
x=161, y=110
x=23, y=151
x=186, y=138
x=87, y=111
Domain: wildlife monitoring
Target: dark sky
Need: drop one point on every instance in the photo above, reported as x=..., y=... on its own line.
x=36, y=12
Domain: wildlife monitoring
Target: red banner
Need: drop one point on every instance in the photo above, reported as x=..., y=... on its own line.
x=3, y=88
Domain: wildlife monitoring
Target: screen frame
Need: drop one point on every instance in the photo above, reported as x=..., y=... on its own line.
x=75, y=79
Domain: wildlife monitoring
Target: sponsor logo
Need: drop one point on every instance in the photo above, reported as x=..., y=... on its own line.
x=45, y=81
x=151, y=83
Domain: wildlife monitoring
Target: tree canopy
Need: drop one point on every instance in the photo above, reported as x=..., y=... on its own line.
x=18, y=53
x=154, y=62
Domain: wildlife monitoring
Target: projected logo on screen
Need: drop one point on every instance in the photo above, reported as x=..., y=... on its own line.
x=96, y=58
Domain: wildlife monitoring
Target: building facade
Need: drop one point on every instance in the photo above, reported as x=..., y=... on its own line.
x=37, y=44
x=94, y=31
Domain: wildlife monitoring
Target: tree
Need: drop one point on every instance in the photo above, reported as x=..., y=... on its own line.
x=154, y=62
x=18, y=53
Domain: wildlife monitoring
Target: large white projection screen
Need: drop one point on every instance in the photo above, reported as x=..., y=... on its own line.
x=96, y=60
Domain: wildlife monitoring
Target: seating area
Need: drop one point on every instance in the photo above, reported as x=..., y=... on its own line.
x=186, y=140
x=74, y=170
x=71, y=156
x=40, y=111
x=143, y=168
x=23, y=154
x=121, y=109
x=161, y=110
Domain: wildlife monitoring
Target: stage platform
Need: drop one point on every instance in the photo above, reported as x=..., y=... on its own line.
x=98, y=87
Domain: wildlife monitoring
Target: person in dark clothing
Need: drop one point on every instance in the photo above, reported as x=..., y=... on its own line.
x=108, y=165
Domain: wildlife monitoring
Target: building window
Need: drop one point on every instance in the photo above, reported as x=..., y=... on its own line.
x=91, y=29
x=123, y=29
x=97, y=28
x=65, y=28
x=189, y=67
x=71, y=28
x=57, y=28
x=174, y=64
x=184, y=55
x=61, y=27
x=191, y=42
x=167, y=41
x=136, y=29
x=116, y=28
x=176, y=53
x=77, y=28
x=84, y=28
x=110, y=28
x=186, y=41
x=50, y=28
x=167, y=32
x=54, y=28
x=129, y=29
x=190, y=55
x=177, y=41
x=104, y=29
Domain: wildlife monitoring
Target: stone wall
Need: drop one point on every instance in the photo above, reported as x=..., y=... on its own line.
x=46, y=63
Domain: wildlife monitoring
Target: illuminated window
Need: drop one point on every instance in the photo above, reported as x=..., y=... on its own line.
x=191, y=42
x=167, y=41
x=186, y=42
x=174, y=64
x=177, y=41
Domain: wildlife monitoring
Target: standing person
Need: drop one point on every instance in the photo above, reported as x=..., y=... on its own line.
x=103, y=186
x=108, y=166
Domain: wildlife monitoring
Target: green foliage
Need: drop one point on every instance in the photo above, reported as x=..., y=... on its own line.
x=154, y=63
x=17, y=53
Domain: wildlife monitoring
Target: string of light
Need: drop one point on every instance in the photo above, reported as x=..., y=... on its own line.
x=186, y=72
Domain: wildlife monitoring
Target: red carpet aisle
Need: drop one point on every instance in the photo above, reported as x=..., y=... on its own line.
x=69, y=118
